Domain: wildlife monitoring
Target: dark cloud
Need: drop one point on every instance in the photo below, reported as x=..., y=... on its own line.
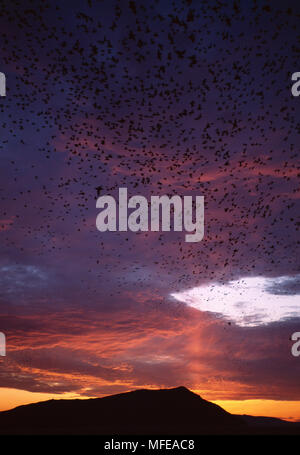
x=289, y=285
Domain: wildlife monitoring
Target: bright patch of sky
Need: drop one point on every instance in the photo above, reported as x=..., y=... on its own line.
x=249, y=301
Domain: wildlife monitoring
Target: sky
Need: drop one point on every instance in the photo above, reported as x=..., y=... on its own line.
x=162, y=98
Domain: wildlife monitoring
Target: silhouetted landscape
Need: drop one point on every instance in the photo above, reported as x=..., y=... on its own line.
x=166, y=411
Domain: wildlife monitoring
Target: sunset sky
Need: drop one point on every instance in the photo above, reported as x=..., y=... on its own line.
x=163, y=97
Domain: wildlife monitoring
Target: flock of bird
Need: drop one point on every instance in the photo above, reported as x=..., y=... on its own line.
x=179, y=97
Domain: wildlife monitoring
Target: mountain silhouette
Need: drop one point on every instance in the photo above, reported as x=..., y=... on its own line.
x=164, y=411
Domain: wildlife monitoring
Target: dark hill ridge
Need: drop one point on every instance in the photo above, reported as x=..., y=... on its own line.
x=165, y=411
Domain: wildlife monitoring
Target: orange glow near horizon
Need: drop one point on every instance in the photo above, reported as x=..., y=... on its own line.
x=11, y=398
x=287, y=410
